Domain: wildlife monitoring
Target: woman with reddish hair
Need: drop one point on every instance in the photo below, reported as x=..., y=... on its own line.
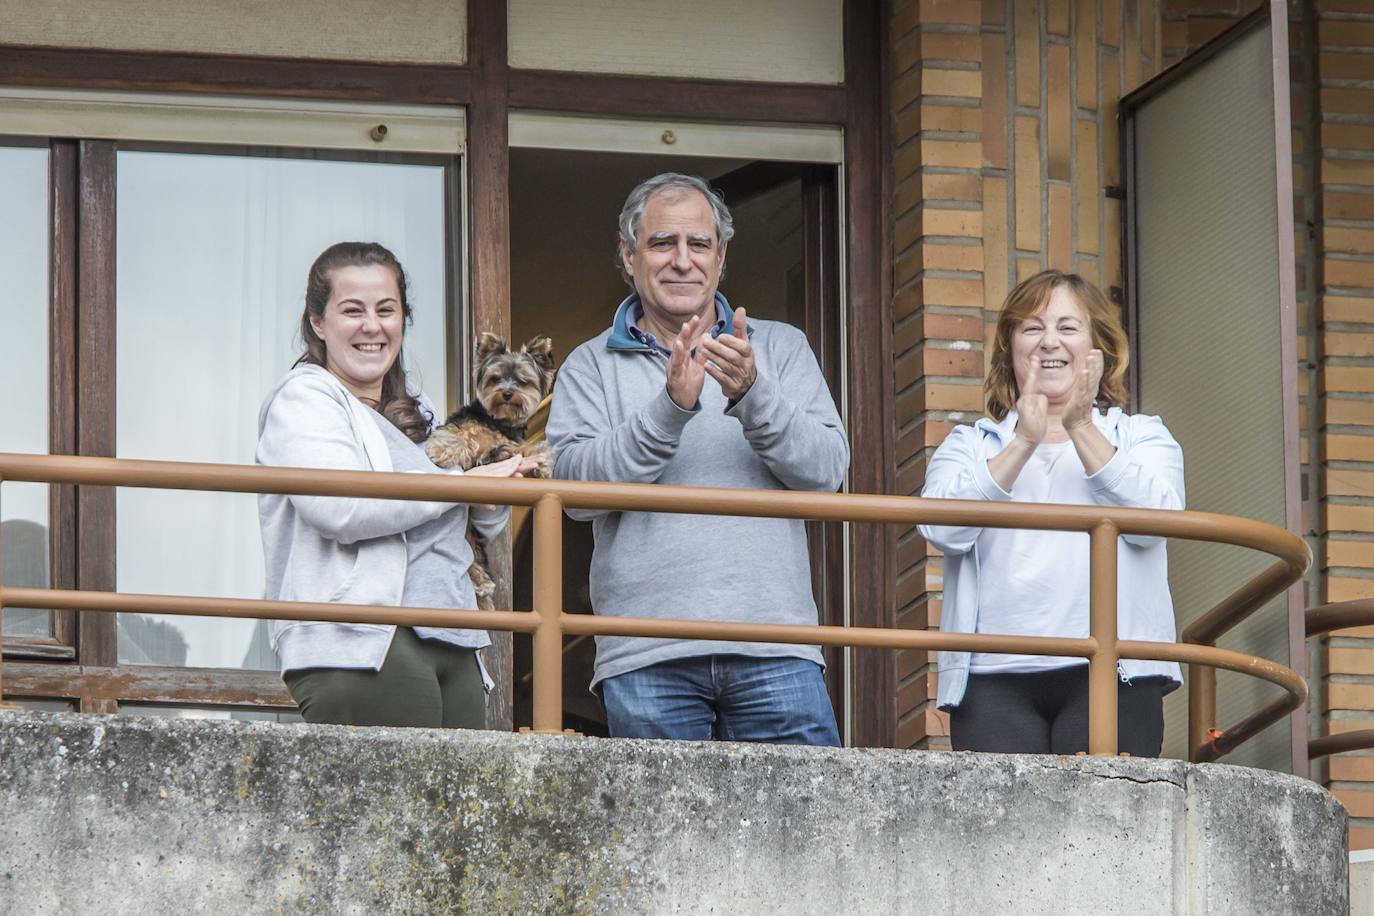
x=1056, y=432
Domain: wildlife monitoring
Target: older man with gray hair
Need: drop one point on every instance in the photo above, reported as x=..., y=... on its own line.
x=682, y=390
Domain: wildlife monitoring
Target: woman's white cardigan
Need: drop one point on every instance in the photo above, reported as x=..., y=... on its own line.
x=1146, y=472
x=334, y=549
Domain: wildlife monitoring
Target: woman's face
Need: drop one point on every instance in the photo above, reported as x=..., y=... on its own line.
x=1061, y=336
x=361, y=327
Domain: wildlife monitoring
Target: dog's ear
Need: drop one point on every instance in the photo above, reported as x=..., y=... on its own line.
x=487, y=345
x=541, y=348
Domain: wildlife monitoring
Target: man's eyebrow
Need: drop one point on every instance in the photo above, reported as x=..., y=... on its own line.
x=691, y=236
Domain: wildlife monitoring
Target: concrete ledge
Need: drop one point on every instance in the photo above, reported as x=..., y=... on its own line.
x=104, y=815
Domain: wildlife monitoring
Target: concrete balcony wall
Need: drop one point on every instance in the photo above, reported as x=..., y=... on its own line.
x=142, y=816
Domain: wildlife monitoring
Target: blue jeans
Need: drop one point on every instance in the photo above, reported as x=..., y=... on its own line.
x=730, y=697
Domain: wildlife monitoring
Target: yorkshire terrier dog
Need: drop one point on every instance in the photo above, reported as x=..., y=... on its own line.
x=509, y=387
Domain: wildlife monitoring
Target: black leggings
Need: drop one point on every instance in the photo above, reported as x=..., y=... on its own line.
x=1047, y=713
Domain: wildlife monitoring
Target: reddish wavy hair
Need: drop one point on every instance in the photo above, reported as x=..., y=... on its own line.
x=1030, y=298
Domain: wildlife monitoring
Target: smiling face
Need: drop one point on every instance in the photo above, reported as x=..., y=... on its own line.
x=1061, y=336
x=676, y=261
x=362, y=327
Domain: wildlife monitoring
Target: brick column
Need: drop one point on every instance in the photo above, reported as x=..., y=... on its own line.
x=1345, y=68
x=1005, y=162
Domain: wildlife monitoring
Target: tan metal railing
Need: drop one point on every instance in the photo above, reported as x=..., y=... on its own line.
x=1320, y=621
x=547, y=623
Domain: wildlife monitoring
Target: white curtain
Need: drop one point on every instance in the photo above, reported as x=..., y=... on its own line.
x=212, y=258
x=24, y=373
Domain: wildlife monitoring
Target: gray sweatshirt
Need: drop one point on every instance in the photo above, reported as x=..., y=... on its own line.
x=612, y=420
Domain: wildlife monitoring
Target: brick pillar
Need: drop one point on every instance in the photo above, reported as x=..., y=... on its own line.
x=1345, y=169
x=1005, y=162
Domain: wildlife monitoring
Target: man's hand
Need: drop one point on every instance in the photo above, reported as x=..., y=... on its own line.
x=686, y=371
x=1078, y=411
x=1032, y=408
x=731, y=358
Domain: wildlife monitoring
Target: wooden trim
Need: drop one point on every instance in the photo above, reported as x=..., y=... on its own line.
x=1191, y=62
x=540, y=90
x=95, y=506
x=1288, y=350
x=489, y=257
x=676, y=98
x=46, y=648
x=106, y=687
x=869, y=268
x=62, y=347
x=1130, y=294
x=820, y=278
x=227, y=75
x=456, y=331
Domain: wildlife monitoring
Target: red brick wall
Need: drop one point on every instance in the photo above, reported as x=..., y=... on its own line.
x=1343, y=158
x=1005, y=143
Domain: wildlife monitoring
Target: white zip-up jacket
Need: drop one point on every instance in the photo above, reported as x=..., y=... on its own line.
x=335, y=549
x=1145, y=473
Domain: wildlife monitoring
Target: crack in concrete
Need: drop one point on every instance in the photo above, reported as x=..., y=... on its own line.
x=1139, y=780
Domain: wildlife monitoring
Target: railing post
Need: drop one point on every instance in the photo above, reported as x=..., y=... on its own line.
x=1102, y=690
x=548, y=604
x=1202, y=707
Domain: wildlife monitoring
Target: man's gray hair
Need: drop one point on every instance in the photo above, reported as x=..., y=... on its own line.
x=632, y=214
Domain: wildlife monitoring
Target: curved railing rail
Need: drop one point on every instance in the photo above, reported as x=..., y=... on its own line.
x=547, y=623
x=1320, y=621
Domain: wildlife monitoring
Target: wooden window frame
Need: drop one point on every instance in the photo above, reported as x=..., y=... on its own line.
x=83, y=291
x=61, y=644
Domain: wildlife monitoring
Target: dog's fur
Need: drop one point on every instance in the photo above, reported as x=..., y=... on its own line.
x=509, y=385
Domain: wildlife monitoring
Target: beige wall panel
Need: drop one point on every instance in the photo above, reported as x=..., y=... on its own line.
x=1209, y=322
x=778, y=142
x=173, y=118
x=798, y=41
x=417, y=31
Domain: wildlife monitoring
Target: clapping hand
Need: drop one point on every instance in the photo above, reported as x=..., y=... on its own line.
x=731, y=358
x=1032, y=408
x=1078, y=410
x=686, y=370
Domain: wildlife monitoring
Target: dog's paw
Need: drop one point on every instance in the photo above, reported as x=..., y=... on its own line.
x=540, y=450
x=446, y=447
x=500, y=453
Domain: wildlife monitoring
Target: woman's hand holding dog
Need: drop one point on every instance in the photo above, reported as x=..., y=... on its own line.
x=515, y=466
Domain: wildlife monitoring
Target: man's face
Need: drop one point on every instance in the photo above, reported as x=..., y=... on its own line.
x=676, y=261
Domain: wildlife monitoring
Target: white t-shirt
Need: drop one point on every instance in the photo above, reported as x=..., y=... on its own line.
x=1035, y=583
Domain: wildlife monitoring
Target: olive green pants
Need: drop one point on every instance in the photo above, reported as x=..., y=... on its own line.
x=422, y=684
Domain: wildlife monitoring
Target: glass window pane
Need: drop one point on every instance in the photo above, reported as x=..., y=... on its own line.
x=213, y=252
x=24, y=374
